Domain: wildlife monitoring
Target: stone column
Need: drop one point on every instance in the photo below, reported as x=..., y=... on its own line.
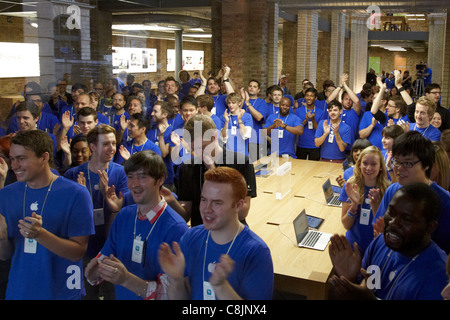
x=358, y=52
x=337, y=46
x=243, y=40
x=445, y=85
x=178, y=52
x=436, y=43
x=307, y=39
x=272, y=52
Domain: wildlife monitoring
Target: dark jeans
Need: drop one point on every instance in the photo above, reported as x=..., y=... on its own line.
x=306, y=153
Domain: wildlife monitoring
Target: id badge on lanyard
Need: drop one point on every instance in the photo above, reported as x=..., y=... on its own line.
x=138, y=250
x=30, y=246
x=99, y=217
x=331, y=137
x=208, y=291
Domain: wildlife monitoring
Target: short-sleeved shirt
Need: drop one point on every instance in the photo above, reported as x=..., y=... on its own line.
x=116, y=177
x=430, y=132
x=362, y=230
x=132, y=149
x=401, y=277
x=286, y=143
x=236, y=142
x=153, y=135
x=441, y=235
x=330, y=150
x=169, y=227
x=261, y=106
x=252, y=275
x=306, y=140
x=67, y=212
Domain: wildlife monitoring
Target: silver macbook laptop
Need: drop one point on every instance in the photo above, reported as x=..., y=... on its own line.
x=331, y=198
x=307, y=238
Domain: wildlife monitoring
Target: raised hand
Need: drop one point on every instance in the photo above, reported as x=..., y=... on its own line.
x=346, y=260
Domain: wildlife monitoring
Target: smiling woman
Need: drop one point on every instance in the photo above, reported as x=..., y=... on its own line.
x=361, y=196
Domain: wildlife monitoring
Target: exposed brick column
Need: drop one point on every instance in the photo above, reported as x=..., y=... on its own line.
x=216, y=40
x=244, y=39
x=445, y=85
x=307, y=39
x=289, y=60
x=337, y=46
x=358, y=52
x=272, y=44
x=436, y=42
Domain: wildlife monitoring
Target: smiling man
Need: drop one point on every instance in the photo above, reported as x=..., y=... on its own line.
x=403, y=263
x=334, y=137
x=310, y=115
x=286, y=126
x=96, y=174
x=413, y=158
x=221, y=259
x=44, y=230
x=129, y=258
x=425, y=108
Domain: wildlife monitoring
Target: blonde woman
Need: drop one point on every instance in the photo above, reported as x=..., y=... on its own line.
x=361, y=196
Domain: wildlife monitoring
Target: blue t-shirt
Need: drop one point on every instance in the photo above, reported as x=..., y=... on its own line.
x=178, y=122
x=351, y=118
x=430, y=132
x=116, y=177
x=114, y=120
x=348, y=173
x=261, y=106
x=169, y=227
x=235, y=142
x=132, y=149
x=441, y=235
x=252, y=276
x=220, y=105
x=375, y=136
x=69, y=108
x=286, y=144
x=331, y=150
x=362, y=230
x=153, y=135
x=306, y=140
x=421, y=279
x=67, y=213
x=217, y=122
x=390, y=83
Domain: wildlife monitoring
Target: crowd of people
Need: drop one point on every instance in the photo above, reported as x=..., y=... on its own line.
x=122, y=191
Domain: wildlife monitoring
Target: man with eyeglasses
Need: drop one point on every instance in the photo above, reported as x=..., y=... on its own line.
x=413, y=158
x=433, y=91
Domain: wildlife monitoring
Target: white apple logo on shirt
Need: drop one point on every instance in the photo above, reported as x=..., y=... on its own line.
x=34, y=206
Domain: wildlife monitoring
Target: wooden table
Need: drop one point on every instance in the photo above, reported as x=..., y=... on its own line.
x=297, y=270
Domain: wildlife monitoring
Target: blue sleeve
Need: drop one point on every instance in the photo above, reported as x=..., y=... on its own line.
x=343, y=196
x=81, y=220
x=366, y=120
x=319, y=131
x=247, y=119
x=269, y=121
x=346, y=135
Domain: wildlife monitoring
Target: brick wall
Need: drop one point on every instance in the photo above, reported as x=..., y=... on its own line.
x=387, y=58
x=162, y=46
